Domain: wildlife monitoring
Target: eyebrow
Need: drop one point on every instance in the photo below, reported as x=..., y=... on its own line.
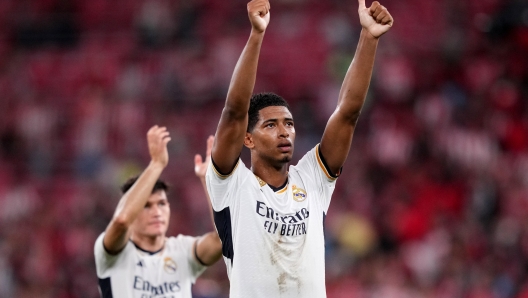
x=158, y=201
x=276, y=119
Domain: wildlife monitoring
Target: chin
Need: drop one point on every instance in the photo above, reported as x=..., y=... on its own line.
x=286, y=159
x=156, y=233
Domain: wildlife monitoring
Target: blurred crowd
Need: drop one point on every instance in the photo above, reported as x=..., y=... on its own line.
x=433, y=199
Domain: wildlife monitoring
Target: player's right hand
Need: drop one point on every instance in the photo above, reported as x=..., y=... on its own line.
x=157, y=138
x=259, y=14
x=200, y=165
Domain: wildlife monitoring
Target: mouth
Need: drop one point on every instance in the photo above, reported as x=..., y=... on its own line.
x=285, y=147
x=156, y=223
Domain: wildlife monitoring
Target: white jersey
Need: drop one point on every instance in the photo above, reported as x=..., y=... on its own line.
x=273, y=241
x=135, y=273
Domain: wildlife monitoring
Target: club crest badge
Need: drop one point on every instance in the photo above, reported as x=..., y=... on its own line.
x=169, y=265
x=299, y=194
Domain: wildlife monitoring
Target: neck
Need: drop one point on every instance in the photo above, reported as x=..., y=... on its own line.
x=275, y=176
x=149, y=243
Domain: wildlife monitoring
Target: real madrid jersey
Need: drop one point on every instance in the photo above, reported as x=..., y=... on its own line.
x=273, y=241
x=135, y=273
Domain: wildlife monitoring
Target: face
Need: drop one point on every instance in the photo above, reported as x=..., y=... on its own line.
x=273, y=136
x=153, y=220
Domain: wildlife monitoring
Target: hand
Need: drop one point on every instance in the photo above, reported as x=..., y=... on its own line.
x=376, y=19
x=157, y=138
x=259, y=14
x=200, y=168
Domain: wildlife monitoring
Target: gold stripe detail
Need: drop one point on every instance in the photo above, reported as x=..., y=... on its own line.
x=261, y=182
x=283, y=189
x=321, y=164
x=222, y=176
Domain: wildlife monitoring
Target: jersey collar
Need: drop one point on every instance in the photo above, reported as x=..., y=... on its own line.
x=148, y=251
x=279, y=189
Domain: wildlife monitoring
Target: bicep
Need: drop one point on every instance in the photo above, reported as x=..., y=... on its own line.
x=229, y=139
x=336, y=140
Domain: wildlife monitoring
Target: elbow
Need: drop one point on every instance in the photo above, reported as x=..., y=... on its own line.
x=216, y=243
x=349, y=117
x=353, y=117
x=121, y=221
x=234, y=112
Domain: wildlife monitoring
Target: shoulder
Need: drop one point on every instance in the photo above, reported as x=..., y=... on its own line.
x=314, y=160
x=307, y=160
x=181, y=240
x=239, y=170
x=105, y=261
x=100, y=249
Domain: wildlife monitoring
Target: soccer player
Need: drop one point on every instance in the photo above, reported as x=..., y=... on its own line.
x=270, y=218
x=133, y=256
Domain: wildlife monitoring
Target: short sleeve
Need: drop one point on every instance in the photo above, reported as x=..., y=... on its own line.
x=221, y=187
x=195, y=267
x=313, y=167
x=103, y=260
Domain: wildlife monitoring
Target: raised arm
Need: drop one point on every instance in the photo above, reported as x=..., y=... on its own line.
x=337, y=137
x=232, y=127
x=209, y=248
x=134, y=200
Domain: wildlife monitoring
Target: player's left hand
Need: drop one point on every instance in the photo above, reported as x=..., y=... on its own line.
x=200, y=166
x=376, y=19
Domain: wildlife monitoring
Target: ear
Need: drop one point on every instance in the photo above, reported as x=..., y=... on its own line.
x=248, y=140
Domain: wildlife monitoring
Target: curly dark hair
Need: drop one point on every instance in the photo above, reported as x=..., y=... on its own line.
x=160, y=185
x=260, y=101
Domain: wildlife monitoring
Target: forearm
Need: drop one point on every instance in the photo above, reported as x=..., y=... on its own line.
x=128, y=208
x=209, y=248
x=357, y=80
x=134, y=200
x=244, y=75
x=231, y=129
x=339, y=131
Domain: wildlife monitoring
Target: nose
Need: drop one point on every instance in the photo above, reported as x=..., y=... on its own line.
x=283, y=131
x=155, y=210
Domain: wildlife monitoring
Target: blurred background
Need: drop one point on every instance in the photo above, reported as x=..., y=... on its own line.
x=433, y=199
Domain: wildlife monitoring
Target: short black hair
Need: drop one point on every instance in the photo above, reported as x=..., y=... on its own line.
x=260, y=101
x=160, y=185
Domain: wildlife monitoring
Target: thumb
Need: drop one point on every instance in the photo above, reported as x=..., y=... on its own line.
x=210, y=141
x=362, y=4
x=197, y=160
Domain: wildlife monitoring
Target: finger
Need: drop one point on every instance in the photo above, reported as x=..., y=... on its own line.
x=263, y=10
x=164, y=135
x=157, y=131
x=210, y=141
x=362, y=4
x=387, y=20
x=166, y=140
x=381, y=16
x=197, y=160
x=374, y=8
x=257, y=7
x=377, y=12
x=152, y=129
